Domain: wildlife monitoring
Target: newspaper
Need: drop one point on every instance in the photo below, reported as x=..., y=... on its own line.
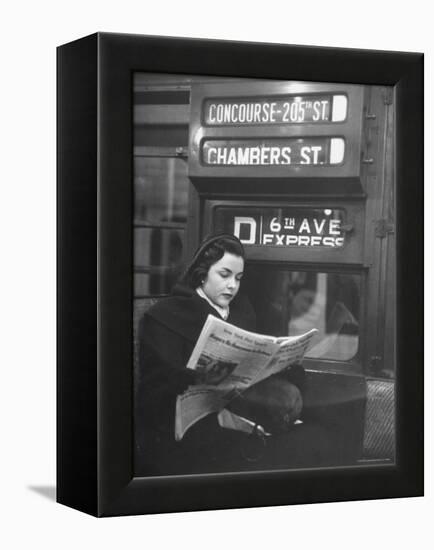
x=229, y=360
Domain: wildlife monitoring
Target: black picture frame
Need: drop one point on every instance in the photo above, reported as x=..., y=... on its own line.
x=95, y=411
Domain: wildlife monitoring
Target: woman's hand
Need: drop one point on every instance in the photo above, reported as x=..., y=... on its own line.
x=275, y=403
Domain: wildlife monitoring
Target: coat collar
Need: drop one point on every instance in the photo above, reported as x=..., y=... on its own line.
x=185, y=312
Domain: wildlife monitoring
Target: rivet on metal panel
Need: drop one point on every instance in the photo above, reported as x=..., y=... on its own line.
x=181, y=152
x=383, y=227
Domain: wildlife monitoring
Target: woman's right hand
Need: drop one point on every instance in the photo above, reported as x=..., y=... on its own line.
x=274, y=403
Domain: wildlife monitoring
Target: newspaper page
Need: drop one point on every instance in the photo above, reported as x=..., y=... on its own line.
x=229, y=360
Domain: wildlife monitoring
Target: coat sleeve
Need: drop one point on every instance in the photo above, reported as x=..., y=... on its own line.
x=163, y=355
x=162, y=375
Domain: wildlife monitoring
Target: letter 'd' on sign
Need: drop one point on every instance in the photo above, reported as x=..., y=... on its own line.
x=240, y=223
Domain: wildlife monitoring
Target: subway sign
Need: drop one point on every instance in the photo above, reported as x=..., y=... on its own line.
x=299, y=109
x=273, y=151
x=254, y=131
x=285, y=227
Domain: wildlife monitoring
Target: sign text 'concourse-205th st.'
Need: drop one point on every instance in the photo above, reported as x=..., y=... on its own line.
x=311, y=109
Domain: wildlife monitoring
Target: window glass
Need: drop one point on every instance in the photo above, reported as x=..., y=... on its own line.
x=160, y=188
x=160, y=215
x=157, y=247
x=157, y=259
x=288, y=303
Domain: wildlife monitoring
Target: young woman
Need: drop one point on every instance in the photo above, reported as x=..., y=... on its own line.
x=167, y=335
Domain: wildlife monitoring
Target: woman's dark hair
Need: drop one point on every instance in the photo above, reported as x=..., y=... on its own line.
x=209, y=252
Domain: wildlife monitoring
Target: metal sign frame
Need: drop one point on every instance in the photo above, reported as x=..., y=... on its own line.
x=349, y=130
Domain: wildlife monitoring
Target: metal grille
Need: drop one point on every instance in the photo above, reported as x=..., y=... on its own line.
x=379, y=439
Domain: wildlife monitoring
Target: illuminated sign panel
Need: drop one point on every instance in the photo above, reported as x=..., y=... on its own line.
x=312, y=109
x=273, y=151
x=284, y=227
x=259, y=131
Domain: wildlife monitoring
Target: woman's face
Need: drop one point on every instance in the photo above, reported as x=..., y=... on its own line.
x=223, y=279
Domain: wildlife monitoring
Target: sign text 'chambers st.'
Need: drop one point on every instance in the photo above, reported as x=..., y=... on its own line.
x=296, y=227
x=273, y=151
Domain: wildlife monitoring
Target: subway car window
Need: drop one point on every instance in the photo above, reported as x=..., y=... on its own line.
x=160, y=216
x=161, y=189
x=158, y=257
x=289, y=303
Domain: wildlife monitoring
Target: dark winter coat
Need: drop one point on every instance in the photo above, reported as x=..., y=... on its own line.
x=167, y=335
